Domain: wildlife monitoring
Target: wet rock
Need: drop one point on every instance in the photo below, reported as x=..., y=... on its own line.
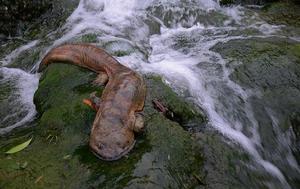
x=119, y=48
x=185, y=14
x=272, y=66
x=294, y=121
x=224, y=165
x=252, y=2
x=270, y=69
x=269, y=64
x=33, y=17
x=184, y=113
x=14, y=14
x=86, y=38
x=165, y=154
x=282, y=13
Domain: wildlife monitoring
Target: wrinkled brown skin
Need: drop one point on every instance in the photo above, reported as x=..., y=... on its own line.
x=112, y=134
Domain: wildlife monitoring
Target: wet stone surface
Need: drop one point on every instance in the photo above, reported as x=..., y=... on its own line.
x=271, y=70
x=20, y=17
x=165, y=154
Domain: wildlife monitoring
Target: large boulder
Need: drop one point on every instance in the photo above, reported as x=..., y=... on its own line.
x=270, y=68
x=165, y=155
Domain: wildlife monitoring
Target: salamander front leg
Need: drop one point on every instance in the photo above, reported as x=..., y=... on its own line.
x=101, y=79
x=139, y=123
x=93, y=102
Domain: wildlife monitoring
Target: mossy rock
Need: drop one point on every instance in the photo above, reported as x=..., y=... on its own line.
x=296, y=50
x=89, y=38
x=267, y=63
x=270, y=65
x=86, y=38
x=269, y=68
x=286, y=13
x=184, y=113
x=165, y=155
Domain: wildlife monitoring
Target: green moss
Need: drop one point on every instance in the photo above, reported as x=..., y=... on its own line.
x=296, y=50
x=89, y=38
x=59, y=156
x=173, y=152
x=63, y=125
x=271, y=67
x=267, y=63
x=63, y=81
x=282, y=13
x=185, y=113
x=118, y=48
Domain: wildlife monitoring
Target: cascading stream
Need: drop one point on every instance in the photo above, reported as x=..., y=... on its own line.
x=180, y=51
x=17, y=90
x=206, y=87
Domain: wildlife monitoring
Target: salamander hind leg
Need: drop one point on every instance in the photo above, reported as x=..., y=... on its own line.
x=101, y=79
x=139, y=123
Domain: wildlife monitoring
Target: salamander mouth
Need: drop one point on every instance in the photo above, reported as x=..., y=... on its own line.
x=116, y=157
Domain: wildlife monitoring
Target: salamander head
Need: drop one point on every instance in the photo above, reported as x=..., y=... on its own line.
x=112, y=145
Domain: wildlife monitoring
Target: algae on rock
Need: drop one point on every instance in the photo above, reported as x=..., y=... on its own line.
x=271, y=70
x=165, y=155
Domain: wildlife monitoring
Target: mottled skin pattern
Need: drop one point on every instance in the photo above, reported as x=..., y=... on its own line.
x=112, y=134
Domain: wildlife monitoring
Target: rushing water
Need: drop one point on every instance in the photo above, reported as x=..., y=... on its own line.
x=173, y=39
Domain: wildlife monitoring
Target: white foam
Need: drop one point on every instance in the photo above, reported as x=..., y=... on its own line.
x=209, y=5
x=111, y=18
x=266, y=28
x=234, y=13
x=123, y=20
x=181, y=70
x=21, y=100
x=15, y=53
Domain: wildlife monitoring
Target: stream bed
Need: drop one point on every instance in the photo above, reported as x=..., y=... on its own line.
x=238, y=68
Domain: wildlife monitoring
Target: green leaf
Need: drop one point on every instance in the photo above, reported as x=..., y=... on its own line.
x=67, y=157
x=19, y=147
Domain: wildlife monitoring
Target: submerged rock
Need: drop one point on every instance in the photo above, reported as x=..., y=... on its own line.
x=165, y=156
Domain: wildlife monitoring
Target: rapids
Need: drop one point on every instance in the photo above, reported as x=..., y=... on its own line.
x=174, y=39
